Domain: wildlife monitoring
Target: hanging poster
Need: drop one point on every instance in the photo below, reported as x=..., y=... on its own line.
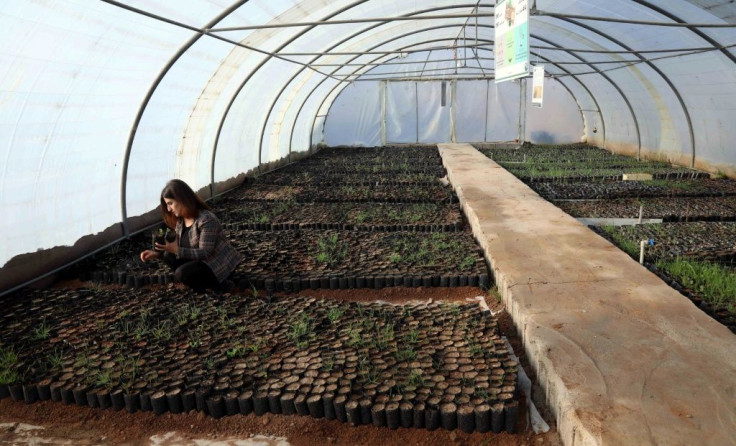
x=511, y=45
x=538, y=86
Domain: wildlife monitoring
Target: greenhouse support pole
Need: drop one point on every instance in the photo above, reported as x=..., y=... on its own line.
x=383, y=86
x=453, y=106
x=522, y=110
x=416, y=106
x=488, y=104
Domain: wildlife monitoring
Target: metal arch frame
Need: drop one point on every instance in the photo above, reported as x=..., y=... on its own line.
x=144, y=103
x=253, y=72
x=656, y=69
x=615, y=85
x=703, y=36
x=664, y=77
x=300, y=71
x=426, y=29
x=267, y=59
x=429, y=29
x=582, y=115
x=247, y=79
x=238, y=4
x=697, y=31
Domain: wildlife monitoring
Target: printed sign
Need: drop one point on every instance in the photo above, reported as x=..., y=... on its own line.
x=511, y=46
x=538, y=86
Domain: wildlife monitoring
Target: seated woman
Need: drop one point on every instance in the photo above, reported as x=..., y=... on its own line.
x=200, y=256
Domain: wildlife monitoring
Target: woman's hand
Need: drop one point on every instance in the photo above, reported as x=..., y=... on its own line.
x=149, y=254
x=172, y=247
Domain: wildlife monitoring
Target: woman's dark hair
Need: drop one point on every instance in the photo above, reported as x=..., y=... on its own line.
x=181, y=192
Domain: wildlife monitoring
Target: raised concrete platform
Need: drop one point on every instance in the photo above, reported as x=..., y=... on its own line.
x=623, y=358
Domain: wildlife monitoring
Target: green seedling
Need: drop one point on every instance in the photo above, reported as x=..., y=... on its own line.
x=41, y=331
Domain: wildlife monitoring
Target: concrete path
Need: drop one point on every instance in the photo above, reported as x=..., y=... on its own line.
x=624, y=359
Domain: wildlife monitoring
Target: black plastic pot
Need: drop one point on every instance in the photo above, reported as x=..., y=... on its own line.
x=393, y=420
x=132, y=401
x=286, y=401
x=188, y=400
x=328, y=400
x=215, y=406
x=92, y=398
x=365, y=411
x=245, y=402
x=448, y=416
x=466, y=418
x=231, y=403
x=200, y=398
x=145, y=402
x=173, y=400
x=260, y=402
x=158, y=402
x=339, y=404
x=511, y=412
x=497, y=421
x=104, y=400
x=67, y=396
x=274, y=401
x=117, y=401
x=44, y=390
x=431, y=418
x=300, y=404
x=55, y=389
x=352, y=412
x=378, y=415
x=30, y=394
x=483, y=418
x=315, y=406
x=79, y=393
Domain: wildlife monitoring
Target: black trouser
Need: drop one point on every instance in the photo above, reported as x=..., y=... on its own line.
x=192, y=273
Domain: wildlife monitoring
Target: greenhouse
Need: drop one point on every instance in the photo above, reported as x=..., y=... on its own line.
x=419, y=222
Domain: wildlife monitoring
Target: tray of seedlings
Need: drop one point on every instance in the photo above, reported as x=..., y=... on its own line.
x=355, y=179
x=417, y=366
x=669, y=209
x=579, y=162
x=344, y=215
x=316, y=193
x=635, y=189
x=291, y=260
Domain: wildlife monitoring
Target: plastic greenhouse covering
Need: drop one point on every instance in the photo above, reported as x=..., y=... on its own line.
x=103, y=101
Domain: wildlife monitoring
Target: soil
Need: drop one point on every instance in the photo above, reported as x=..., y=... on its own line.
x=84, y=425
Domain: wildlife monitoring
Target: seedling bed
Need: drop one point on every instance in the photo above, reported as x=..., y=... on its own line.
x=635, y=189
x=712, y=241
x=313, y=193
x=358, y=216
x=573, y=153
x=422, y=366
x=671, y=209
x=572, y=163
x=354, y=179
x=373, y=155
x=420, y=168
x=568, y=175
x=292, y=260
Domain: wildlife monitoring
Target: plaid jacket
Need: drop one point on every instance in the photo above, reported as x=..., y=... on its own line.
x=211, y=246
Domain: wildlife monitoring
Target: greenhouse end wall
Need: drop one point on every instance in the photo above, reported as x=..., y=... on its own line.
x=472, y=111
